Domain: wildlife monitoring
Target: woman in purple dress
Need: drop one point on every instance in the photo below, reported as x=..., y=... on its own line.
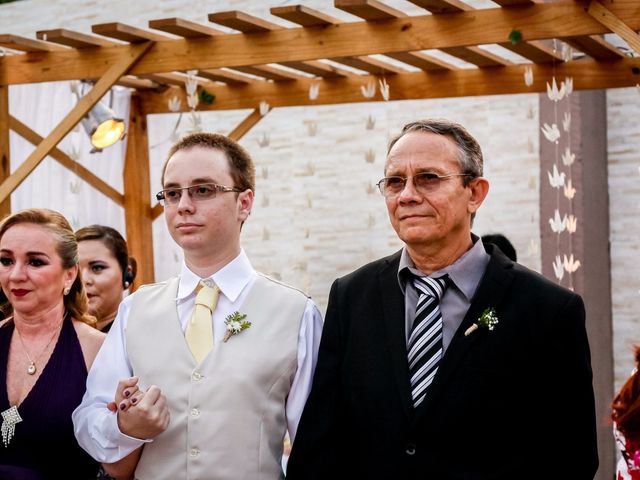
x=47, y=344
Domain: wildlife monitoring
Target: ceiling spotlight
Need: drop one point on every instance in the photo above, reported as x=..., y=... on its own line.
x=103, y=127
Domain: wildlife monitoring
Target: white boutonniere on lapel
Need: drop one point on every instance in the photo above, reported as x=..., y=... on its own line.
x=236, y=322
x=487, y=320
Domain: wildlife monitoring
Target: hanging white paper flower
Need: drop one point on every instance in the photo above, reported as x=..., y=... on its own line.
x=528, y=75
x=567, y=52
x=558, y=225
x=556, y=179
x=371, y=122
x=312, y=128
x=558, y=268
x=74, y=187
x=369, y=91
x=533, y=247
x=384, y=89
x=314, y=90
x=264, y=108
x=570, y=265
x=566, y=122
x=174, y=103
x=568, y=84
x=572, y=223
x=370, y=156
x=264, y=140
x=551, y=132
x=552, y=90
x=569, y=191
x=195, y=121
x=567, y=157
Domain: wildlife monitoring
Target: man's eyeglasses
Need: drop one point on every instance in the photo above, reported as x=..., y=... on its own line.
x=197, y=193
x=424, y=183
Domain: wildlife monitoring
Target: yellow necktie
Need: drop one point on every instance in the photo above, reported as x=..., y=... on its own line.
x=199, y=334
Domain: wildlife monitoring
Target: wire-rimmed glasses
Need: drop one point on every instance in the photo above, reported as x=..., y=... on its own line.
x=424, y=182
x=170, y=197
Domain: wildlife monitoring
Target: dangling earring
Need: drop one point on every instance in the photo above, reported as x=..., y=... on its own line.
x=66, y=291
x=126, y=284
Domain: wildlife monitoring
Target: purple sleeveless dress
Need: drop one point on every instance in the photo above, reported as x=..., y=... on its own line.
x=44, y=446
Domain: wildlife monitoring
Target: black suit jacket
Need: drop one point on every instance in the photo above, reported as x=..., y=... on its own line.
x=513, y=403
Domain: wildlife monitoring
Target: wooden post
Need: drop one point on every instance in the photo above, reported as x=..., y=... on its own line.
x=5, y=165
x=137, y=204
x=589, y=243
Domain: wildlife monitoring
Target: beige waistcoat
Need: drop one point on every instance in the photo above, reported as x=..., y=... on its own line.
x=227, y=413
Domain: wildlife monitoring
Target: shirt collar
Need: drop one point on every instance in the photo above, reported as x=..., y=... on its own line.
x=231, y=279
x=466, y=272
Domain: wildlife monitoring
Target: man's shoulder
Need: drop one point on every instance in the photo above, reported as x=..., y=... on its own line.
x=275, y=283
x=373, y=269
x=537, y=284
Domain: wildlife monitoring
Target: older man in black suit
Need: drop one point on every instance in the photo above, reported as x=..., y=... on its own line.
x=446, y=360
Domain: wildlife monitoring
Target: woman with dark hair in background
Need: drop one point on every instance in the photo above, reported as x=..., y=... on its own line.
x=106, y=270
x=47, y=345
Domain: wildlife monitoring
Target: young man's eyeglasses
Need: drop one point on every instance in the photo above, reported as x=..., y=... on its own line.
x=424, y=182
x=197, y=193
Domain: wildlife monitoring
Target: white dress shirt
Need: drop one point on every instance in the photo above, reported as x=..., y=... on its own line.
x=96, y=428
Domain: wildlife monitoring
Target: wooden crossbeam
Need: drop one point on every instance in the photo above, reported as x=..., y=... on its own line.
x=442, y=6
x=268, y=72
x=536, y=51
x=369, y=10
x=319, y=69
x=67, y=162
x=242, y=22
x=92, y=97
x=594, y=46
x=73, y=39
x=587, y=75
x=16, y=42
x=127, y=33
x=535, y=22
x=303, y=16
x=421, y=60
x=184, y=28
x=607, y=18
x=219, y=75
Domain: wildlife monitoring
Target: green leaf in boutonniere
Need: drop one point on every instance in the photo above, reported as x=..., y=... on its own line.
x=487, y=320
x=235, y=324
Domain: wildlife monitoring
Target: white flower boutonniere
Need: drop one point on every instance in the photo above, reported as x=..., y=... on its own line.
x=235, y=324
x=487, y=320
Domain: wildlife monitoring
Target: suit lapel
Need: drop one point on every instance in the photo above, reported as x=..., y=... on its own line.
x=393, y=318
x=490, y=293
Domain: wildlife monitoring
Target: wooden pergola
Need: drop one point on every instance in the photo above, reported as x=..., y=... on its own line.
x=254, y=60
x=242, y=66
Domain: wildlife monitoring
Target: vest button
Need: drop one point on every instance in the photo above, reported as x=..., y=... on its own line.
x=195, y=412
x=194, y=452
x=196, y=376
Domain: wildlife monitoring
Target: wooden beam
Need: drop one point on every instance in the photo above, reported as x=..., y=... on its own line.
x=535, y=22
x=536, y=51
x=67, y=162
x=137, y=204
x=219, y=75
x=247, y=124
x=5, y=150
x=587, y=75
x=608, y=19
x=127, y=33
x=243, y=22
x=442, y=6
x=184, y=28
x=23, y=44
x=73, y=39
x=594, y=46
x=72, y=118
x=303, y=16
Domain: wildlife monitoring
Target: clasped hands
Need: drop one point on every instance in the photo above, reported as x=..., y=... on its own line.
x=141, y=414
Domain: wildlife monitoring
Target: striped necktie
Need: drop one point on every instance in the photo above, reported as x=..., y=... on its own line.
x=425, y=342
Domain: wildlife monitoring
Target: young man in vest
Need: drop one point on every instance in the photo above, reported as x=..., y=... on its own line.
x=212, y=403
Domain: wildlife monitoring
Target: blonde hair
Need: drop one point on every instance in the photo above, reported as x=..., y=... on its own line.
x=75, y=302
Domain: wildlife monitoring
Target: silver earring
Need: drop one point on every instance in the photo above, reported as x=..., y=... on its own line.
x=66, y=291
x=126, y=284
